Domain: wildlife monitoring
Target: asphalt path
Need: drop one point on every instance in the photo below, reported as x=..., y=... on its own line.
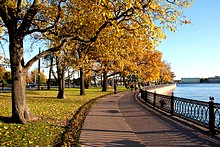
x=105, y=126
x=156, y=129
x=120, y=120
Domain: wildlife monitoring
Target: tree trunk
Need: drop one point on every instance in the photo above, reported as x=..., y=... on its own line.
x=61, y=85
x=51, y=68
x=20, y=110
x=124, y=82
x=101, y=80
x=105, y=82
x=61, y=80
x=94, y=79
x=82, y=82
x=68, y=78
x=87, y=82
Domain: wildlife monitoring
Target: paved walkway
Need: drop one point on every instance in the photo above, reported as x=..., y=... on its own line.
x=119, y=120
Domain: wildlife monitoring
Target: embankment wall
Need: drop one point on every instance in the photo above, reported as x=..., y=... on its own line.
x=166, y=90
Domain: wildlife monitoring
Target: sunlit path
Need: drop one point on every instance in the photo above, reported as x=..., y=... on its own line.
x=119, y=120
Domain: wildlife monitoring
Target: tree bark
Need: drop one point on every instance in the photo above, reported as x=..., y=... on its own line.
x=61, y=85
x=20, y=110
x=87, y=82
x=105, y=82
x=51, y=68
x=94, y=79
x=68, y=78
x=61, y=80
x=82, y=82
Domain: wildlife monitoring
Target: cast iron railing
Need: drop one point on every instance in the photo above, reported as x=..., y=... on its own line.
x=206, y=114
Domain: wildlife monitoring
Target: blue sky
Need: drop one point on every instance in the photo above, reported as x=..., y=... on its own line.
x=194, y=50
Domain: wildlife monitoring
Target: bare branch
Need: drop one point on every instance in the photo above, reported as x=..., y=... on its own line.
x=171, y=1
x=44, y=53
x=54, y=75
x=115, y=73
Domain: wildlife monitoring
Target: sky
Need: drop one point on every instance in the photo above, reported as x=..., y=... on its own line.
x=194, y=50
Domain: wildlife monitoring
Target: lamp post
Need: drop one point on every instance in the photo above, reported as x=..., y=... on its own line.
x=39, y=72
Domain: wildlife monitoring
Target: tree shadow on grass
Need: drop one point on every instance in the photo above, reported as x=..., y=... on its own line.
x=42, y=97
x=5, y=91
x=6, y=119
x=5, y=94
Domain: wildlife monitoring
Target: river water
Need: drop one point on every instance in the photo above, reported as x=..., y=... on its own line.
x=200, y=92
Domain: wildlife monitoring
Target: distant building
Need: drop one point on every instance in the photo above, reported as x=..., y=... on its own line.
x=215, y=79
x=189, y=80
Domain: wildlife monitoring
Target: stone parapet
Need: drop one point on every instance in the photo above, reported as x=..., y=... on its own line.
x=165, y=90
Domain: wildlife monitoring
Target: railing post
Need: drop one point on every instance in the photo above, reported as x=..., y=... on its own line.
x=145, y=96
x=142, y=94
x=172, y=104
x=211, y=116
x=154, y=103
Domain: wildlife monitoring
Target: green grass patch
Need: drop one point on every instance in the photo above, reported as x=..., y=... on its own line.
x=56, y=114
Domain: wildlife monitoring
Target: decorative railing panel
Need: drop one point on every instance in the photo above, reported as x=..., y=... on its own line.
x=217, y=115
x=150, y=97
x=192, y=110
x=163, y=102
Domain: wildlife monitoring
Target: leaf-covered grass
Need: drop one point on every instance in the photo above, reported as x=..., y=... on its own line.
x=55, y=114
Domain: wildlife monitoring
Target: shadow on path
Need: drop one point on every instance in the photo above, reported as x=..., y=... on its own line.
x=105, y=126
x=153, y=128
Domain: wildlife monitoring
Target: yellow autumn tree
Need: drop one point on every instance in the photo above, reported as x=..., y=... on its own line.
x=34, y=76
x=121, y=50
x=149, y=67
x=166, y=75
x=68, y=21
x=137, y=18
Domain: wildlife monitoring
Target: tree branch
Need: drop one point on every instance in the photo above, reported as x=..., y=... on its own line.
x=18, y=9
x=113, y=74
x=4, y=14
x=50, y=27
x=28, y=18
x=171, y=1
x=44, y=53
x=54, y=75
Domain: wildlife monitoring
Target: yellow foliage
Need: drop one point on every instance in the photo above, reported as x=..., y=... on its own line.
x=126, y=32
x=34, y=75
